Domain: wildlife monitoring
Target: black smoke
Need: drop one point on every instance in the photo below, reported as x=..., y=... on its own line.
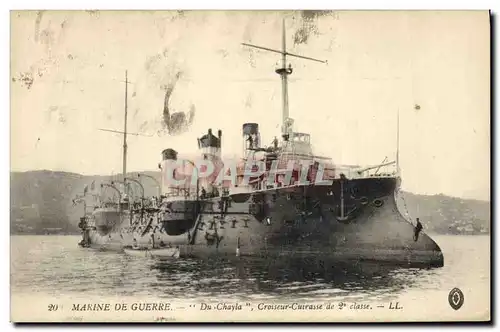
x=309, y=24
x=175, y=122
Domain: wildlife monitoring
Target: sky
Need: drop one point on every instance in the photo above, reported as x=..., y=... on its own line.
x=68, y=68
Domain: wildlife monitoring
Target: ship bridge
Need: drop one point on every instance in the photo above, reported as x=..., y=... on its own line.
x=298, y=144
x=210, y=145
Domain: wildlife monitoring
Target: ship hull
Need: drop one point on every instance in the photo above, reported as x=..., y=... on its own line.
x=350, y=220
x=107, y=220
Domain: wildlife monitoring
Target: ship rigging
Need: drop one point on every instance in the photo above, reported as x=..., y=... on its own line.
x=284, y=72
x=354, y=216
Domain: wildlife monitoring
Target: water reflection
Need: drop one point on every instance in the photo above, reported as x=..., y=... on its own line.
x=57, y=266
x=63, y=268
x=249, y=277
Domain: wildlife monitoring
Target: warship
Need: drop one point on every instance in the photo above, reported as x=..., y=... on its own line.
x=280, y=199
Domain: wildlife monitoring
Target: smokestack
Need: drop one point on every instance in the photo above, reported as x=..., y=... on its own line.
x=219, y=133
x=169, y=154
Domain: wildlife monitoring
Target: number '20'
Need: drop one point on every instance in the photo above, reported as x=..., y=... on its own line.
x=53, y=307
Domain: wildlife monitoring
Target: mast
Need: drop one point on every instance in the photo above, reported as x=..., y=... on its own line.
x=125, y=136
x=125, y=133
x=283, y=71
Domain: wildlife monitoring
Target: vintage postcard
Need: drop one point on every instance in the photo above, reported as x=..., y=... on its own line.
x=250, y=166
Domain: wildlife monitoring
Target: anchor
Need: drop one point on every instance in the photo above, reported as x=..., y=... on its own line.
x=343, y=216
x=346, y=216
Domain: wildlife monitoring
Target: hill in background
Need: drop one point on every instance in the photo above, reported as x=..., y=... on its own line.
x=41, y=203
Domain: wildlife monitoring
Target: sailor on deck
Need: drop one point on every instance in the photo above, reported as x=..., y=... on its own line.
x=417, y=231
x=275, y=142
x=250, y=142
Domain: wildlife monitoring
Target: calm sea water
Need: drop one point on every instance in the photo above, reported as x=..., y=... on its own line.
x=55, y=265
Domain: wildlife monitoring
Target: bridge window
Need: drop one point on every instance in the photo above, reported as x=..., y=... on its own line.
x=299, y=137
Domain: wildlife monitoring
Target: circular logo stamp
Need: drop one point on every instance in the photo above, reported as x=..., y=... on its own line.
x=456, y=298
